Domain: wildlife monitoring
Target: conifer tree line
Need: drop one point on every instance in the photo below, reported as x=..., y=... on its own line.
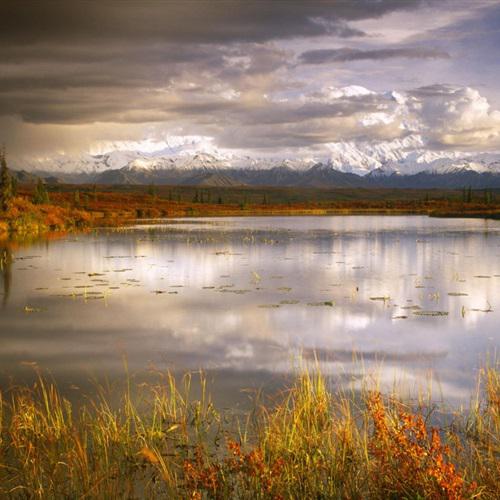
x=41, y=196
x=8, y=186
x=488, y=195
x=467, y=194
x=7, y=183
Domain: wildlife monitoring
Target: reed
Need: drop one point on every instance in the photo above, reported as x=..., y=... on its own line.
x=310, y=442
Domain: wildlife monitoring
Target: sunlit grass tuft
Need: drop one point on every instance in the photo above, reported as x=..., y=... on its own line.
x=311, y=442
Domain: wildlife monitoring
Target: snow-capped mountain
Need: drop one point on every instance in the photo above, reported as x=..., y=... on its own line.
x=407, y=156
x=360, y=162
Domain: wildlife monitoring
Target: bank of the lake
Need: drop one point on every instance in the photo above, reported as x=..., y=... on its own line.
x=71, y=209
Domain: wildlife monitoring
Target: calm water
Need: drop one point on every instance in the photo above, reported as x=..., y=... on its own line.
x=245, y=298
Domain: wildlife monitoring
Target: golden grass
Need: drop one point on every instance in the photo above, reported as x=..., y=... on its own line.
x=312, y=443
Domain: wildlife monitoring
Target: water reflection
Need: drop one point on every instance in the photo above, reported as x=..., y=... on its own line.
x=6, y=272
x=246, y=297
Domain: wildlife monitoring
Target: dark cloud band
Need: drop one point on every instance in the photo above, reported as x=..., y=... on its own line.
x=201, y=21
x=325, y=56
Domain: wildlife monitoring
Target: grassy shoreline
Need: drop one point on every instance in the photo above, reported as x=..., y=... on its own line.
x=72, y=210
x=311, y=442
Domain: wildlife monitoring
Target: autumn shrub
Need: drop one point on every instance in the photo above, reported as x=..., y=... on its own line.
x=25, y=218
x=310, y=441
x=409, y=459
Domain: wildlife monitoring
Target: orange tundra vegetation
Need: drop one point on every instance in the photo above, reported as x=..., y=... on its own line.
x=69, y=208
x=24, y=218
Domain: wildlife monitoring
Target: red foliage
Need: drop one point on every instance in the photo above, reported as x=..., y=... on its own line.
x=232, y=474
x=407, y=457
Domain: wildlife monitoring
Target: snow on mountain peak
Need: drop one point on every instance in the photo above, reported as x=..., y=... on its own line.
x=405, y=156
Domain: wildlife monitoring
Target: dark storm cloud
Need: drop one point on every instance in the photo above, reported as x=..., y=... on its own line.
x=194, y=22
x=324, y=56
x=84, y=61
x=223, y=69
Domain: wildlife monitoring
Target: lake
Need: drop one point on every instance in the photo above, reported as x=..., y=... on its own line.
x=408, y=300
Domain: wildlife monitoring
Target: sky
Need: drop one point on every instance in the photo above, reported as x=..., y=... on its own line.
x=276, y=77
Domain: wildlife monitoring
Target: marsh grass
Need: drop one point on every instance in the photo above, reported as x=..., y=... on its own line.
x=309, y=442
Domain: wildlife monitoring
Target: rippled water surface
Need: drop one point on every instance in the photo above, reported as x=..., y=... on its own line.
x=415, y=298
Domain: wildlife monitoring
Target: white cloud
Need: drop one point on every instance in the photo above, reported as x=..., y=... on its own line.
x=311, y=124
x=455, y=116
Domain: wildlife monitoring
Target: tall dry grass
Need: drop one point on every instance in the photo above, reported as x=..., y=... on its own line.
x=312, y=443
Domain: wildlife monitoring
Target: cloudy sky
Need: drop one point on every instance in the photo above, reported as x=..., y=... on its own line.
x=275, y=77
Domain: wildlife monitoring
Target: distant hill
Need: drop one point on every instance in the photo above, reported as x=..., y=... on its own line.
x=401, y=163
x=317, y=176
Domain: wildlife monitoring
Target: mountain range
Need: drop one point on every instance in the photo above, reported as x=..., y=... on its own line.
x=401, y=163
